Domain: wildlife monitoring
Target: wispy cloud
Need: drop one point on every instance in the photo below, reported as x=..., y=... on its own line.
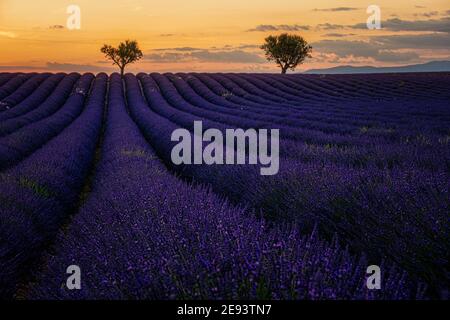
x=280, y=27
x=57, y=27
x=436, y=25
x=8, y=34
x=167, y=57
x=416, y=41
x=386, y=48
x=336, y=9
x=178, y=49
x=427, y=14
x=18, y=68
x=329, y=26
x=234, y=56
x=205, y=55
x=70, y=67
x=338, y=35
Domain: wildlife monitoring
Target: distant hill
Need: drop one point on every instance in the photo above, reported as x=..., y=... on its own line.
x=434, y=66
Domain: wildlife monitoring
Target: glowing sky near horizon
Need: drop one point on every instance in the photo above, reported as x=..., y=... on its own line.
x=200, y=35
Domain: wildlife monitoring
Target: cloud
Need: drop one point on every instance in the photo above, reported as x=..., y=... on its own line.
x=435, y=25
x=56, y=27
x=204, y=55
x=281, y=27
x=16, y=68
x=427, y=14
x=329, y=26
x=344, y=48
x=393, y=56
x=383, y=50
x=166, y=35
x=417, y=41
x=70, y=67
x=179, y=49
x=248, y=46
x=337, y=9
x=8, y=34
x=167, y=57
x=234, y=56
x=338, y=35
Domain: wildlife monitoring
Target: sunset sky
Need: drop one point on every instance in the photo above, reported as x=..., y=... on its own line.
x=219, y=35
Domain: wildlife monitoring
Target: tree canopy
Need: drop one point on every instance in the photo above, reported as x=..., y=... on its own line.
x=287, y=50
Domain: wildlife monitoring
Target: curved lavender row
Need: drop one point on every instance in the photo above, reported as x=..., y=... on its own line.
x=281, y=84
x=308, y=82
x=194, y=92
x=389, y=112
x=322, y=106
x=184, y=118
x=247, y=93
x=361, y=89
x=268, y=93
x=300, y=83
x=385, y=86
x=398, y=84
x=5, y=77
x=389, y=151
x=172, y=96
x=23, y=92
x=35, y=99
x=213, y=91
x=257, y=86
x=161, y=106
x=383, y=157
x=325, y=112
x=251, y=92
x=248, y=87
x=392, y=108
x=13, y=84
x=291, y=123
x=407, y=203
x=313, y=113
x=241, y=97
x=334, y=103
x=173, y=241
x=318, y=84
x=23, y=142
x=185, y=114
x=52, y=104
x=39, y=193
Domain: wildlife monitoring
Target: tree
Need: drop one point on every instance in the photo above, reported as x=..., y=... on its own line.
x=287, y=50
x=127, y=52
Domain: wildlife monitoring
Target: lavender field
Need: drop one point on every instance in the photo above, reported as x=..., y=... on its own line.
x=86, y=179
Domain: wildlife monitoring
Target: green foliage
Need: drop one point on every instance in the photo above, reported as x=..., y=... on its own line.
x=127, y=52
x=287, y=50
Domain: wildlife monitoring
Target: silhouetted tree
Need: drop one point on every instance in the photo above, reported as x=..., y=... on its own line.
x=287, y=50
x=127, y=52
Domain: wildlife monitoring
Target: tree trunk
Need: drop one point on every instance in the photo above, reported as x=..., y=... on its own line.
x=284, y=70
x=122, y=71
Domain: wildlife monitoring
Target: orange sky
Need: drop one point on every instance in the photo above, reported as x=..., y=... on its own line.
x=202, y=35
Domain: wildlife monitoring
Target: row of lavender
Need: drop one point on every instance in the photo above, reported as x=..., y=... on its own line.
x=311, y=164
x=394, y=211
x=144, y=234
x=40, y=192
